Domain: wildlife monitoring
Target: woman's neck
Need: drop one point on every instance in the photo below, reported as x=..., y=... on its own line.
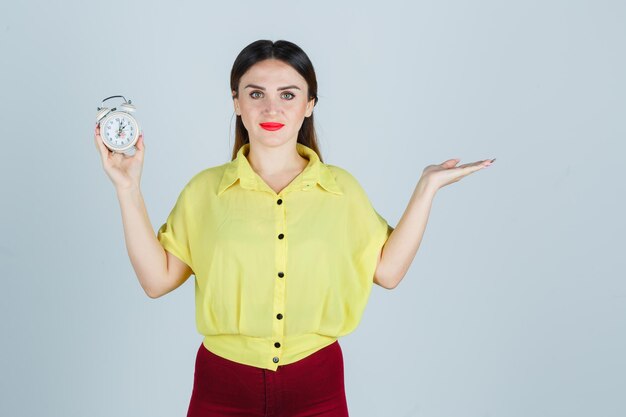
x=275, y=161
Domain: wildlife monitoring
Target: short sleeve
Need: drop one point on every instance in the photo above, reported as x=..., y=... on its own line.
x=376, y=229
x=174, y=234
x=369, y=231
x=382, y=228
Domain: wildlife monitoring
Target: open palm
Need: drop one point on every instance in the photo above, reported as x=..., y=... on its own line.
x=438, y=176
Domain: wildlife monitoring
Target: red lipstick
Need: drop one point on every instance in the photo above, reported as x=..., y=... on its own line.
x=271, y=125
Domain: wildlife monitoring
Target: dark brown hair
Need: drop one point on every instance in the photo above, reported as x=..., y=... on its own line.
x=291, y=54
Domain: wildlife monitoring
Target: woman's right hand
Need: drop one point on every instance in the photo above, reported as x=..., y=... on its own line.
x=123, y=170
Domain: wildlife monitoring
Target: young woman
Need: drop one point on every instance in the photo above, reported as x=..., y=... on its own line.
x=284, y=247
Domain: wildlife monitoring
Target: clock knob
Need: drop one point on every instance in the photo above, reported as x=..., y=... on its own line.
x=102, y=111
x=127, y=107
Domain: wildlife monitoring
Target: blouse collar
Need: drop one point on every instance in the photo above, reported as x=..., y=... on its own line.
x=315, y=172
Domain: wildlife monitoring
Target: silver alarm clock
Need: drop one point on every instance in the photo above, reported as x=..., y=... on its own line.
x=119, y=129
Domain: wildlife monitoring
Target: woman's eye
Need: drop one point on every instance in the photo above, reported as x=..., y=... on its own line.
x=291, y=95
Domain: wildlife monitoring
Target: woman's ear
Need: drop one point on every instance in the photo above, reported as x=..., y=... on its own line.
x=236, y=103
x=309, y=107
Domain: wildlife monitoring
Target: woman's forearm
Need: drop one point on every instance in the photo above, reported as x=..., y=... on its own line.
x=401, y=246
x=146, y=253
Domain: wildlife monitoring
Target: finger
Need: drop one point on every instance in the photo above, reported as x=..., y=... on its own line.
x=450, y=163
x=473, y=167
x=96, y=136
x=478, y=164
x=140, y=145
x=105, y=153
x=101, y=151
x=139, y=148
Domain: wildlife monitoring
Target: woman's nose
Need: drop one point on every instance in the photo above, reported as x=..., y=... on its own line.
x=271, y=105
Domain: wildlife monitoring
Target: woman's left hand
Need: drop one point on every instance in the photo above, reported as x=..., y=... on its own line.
x=438, y=176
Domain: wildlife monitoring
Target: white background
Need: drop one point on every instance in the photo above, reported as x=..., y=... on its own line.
x=513, y=306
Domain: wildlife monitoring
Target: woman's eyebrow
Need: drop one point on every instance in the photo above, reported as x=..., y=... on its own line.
x=278, y=89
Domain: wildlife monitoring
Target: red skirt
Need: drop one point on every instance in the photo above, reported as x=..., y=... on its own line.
x=312, y=386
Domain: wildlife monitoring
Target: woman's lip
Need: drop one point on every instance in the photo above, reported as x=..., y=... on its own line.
x=271, y=126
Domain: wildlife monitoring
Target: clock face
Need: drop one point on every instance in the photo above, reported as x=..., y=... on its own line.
x=119, y=130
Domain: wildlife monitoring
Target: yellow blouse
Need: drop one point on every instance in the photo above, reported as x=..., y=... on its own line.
x=277, y=276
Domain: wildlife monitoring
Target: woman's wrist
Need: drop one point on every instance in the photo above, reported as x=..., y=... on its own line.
x=425, y=187
x=123, y=191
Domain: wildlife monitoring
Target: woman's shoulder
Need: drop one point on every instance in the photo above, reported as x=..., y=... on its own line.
x=345, y=179
x=207, y=178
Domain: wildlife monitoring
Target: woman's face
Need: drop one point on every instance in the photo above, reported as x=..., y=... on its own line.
x=263, y=98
